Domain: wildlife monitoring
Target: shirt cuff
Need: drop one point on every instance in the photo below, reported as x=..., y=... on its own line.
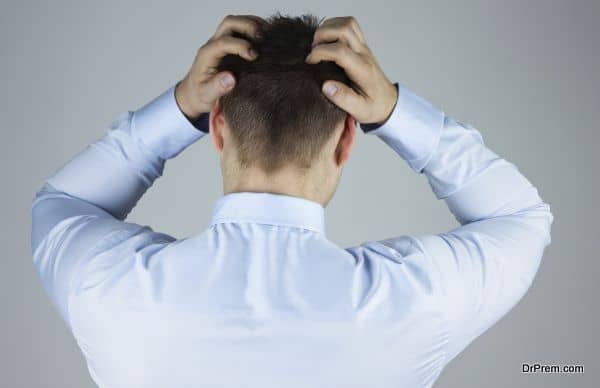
x=413, y=129
x=163, y=128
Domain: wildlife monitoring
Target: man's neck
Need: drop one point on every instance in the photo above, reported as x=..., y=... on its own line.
x=285, y=182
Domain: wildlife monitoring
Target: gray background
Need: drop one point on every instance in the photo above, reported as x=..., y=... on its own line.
x=523, y=72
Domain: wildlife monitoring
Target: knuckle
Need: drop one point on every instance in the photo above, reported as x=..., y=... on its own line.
x=227, y=41
x=367, y=65
x=327, y=21
x=239, y=44
x=321, y=34
x=203, y=48
x=345, y=50
x=228, y=18
x=217, y=43
x=348, y=33
x=350, y=20
x=317, y=51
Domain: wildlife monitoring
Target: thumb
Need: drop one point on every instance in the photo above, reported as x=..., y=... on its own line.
x=342, y=95
x=220, y=84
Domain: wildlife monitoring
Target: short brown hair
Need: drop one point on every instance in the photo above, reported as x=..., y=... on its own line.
x=277, y=112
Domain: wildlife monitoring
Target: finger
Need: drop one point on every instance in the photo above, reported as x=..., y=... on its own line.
x=349, y=22
x=343, y=34
x=259, y=21
x=213, y=51
x=219, y=85
x=343, y=96
x=339, y=53
x=242, y=24
x=260, y=24
x=357, y=30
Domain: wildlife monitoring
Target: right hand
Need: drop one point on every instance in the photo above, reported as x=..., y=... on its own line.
x=341, y=40
x=203, y=85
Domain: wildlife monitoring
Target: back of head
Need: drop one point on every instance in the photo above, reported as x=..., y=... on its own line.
x=276, y=112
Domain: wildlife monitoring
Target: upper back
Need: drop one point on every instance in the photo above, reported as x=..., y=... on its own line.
x=256, y=305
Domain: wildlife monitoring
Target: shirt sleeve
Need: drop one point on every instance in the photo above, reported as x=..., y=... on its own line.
x=482, y=268
x=80, y=211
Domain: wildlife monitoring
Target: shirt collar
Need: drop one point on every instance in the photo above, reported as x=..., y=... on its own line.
x=271, y=209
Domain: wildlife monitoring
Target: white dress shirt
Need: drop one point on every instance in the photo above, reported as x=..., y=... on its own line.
x=261, y=298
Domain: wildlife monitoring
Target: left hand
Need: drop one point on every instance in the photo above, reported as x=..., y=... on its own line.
x=341, y=40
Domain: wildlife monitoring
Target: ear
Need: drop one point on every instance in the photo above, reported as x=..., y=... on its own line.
x=346, y=142
x=216, y=125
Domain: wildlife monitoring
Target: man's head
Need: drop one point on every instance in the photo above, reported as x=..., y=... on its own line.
x=276, y=129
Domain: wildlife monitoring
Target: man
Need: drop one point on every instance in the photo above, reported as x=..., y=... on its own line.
x=262, y=298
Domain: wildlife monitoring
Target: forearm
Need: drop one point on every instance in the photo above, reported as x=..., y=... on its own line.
x=473, y=180
x=112, y=173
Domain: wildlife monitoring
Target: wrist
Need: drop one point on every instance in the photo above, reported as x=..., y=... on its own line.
x=391, y=103
x=393, y=100
x=183, y=102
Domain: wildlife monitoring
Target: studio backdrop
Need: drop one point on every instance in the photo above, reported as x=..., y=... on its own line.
x=525, y=74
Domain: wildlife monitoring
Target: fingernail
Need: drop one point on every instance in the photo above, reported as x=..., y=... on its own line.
x=258, y=34
x=251, y=52
x=226, y=81
x=329, y=89
x=307, y=58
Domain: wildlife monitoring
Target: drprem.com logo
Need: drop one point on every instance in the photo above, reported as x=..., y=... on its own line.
x=545, y=368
